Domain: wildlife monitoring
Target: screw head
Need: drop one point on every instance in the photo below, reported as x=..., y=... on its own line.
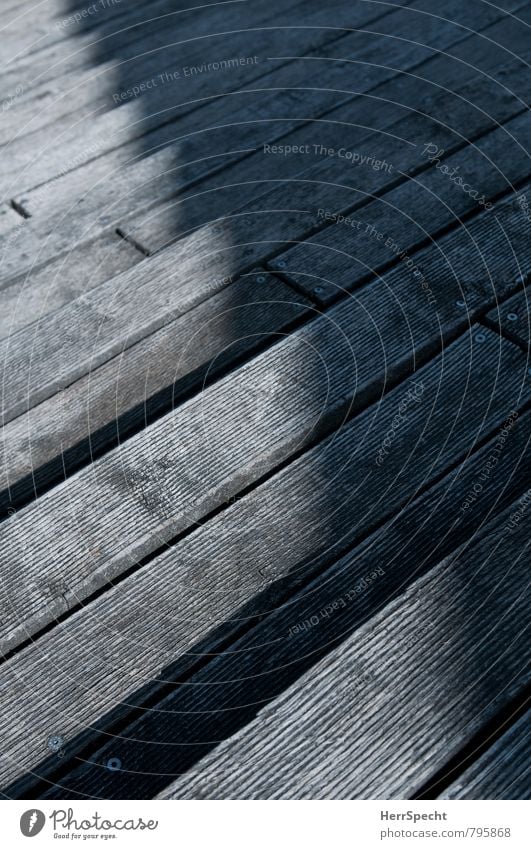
x=55, y=743
x=114, y=764
x=460, y=304
x=480, y=337
x=260, y=278
x=318, y=290
x=512, y=316
x=281, y=263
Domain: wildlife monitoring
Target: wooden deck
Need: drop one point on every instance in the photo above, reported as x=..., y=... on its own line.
x=266, y=391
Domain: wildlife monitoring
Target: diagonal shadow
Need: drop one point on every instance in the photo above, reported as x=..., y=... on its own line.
x=200, y=716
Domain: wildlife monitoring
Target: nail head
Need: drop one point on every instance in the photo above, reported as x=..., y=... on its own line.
x=55, y=743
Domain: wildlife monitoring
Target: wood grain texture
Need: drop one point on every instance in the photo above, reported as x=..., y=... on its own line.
x=378, y=714
x=502, y=772
x=119, y=183
x=274, y=31
x=156, y=623
x=47, y=288
x=9, y=221
x=338, y=362
x=46, y=357
x=511, y=318
x=99, y=195
x=172, y=733
x=330, y=185
x=149, y=378
x=137, y=47
x=391, y=227
x=417, y=107
x=29, y=30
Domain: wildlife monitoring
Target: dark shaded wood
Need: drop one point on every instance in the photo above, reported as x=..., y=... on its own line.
x=426, y=108
x=502, y=772
x=120, y=182
x=389, y=228
x=511, y=318
x=140, y=45
x=150, y=378
x=381, y=712
x=279, y=403
x=159, y=621
x=274, y=30
x=48, y=356
x=172, y=733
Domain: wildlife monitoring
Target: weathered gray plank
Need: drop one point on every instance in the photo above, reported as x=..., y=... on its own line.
x=36, y=74
x=346, y=128
x=405, y=696
x=273, y=32
x=326, y=183
x=227, y=692
x=193, y=595
x=393, y=225
x=30, y=30
x=48, y=356
x=48, y=288
x=164, y=172
x=9, y=220
x=512, y=318
x=142, y=51
x=277, y=401
x=502, y=772
x=150, y=377
x=192, y=212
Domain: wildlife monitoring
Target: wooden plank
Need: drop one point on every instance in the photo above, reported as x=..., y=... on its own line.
x=195, y=594
x=48, y=288
x=121, y=62
x=393, y=225
x=9, y=220
x=164, y=172
x=40, y=360
x=511, y=318
x=280, y=401
x=103, y=407
x=248, y=185
x=344, y=128
x=404, y=698
x=226, y=693
x=502, y=772
x=271, y=33
x=39, y=26
x=46, y=64
x=120, y=157
x=212, y=203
